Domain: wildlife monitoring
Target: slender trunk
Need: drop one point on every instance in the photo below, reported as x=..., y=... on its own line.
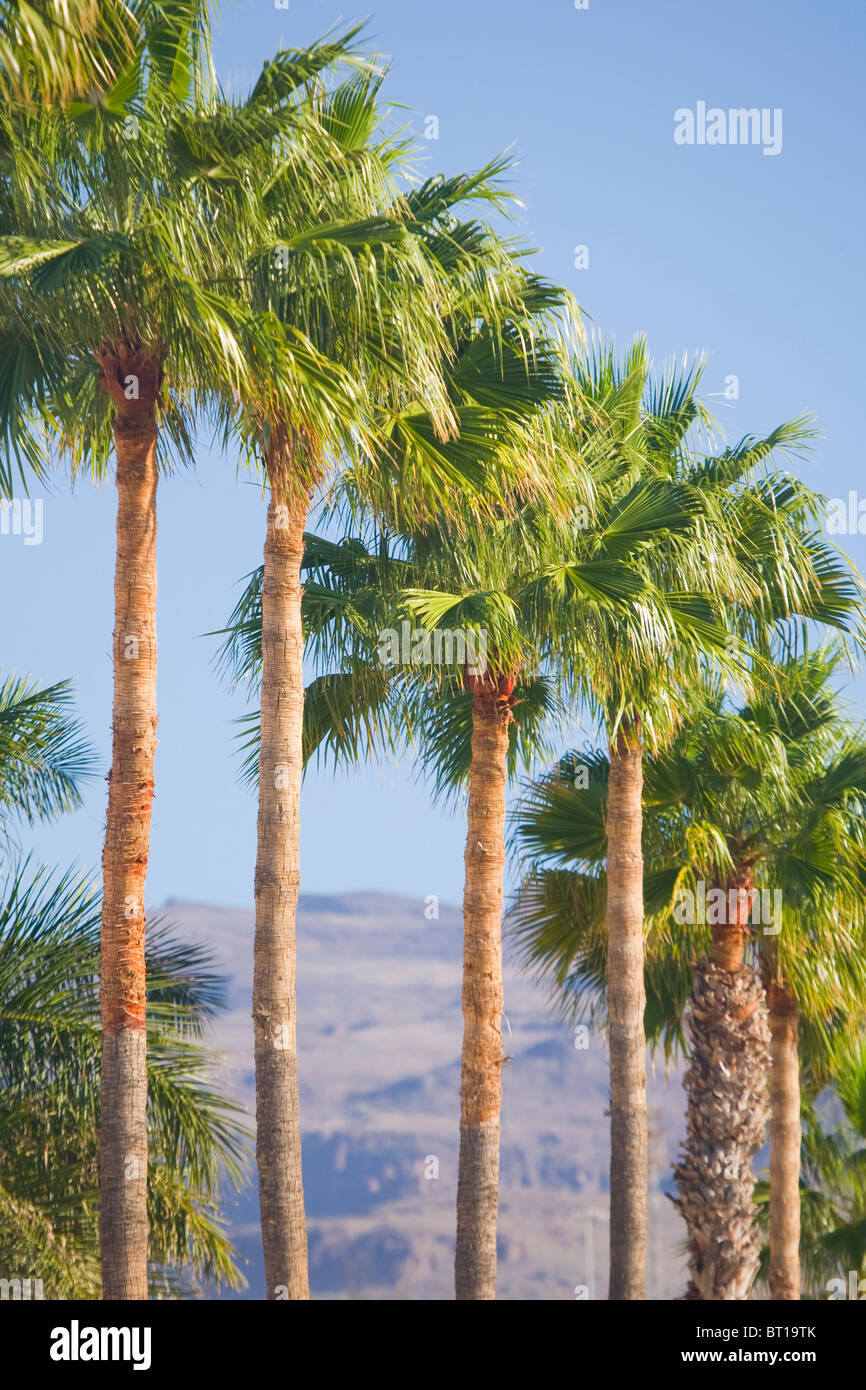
x=626, y=1003
x=785, y=1139
x=123, y=1132
x=278, y=1126
x=726, y=1116
x=481, y=1075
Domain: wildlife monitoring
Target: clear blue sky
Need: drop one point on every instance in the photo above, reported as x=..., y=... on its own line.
x=755, y=259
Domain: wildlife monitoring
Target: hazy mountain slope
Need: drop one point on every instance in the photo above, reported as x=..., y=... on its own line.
x=379, y=1030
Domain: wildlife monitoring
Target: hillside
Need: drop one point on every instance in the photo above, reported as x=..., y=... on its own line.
x=379, y=1032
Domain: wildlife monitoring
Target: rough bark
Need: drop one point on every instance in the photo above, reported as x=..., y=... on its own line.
x=481, y=1073
x=626, y=1003
x=785, y=1141
x=132, y=380
x=278, y=1126
x=726, y=1118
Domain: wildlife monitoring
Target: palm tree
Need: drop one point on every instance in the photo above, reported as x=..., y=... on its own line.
x=109, y=322
x=377, y=294
x=752, y=555
x=474, y=726
x=623, y=668
x=793, y=826
x=766, y=797
x=289, y=416
x=825, y=921
x=833, y=1183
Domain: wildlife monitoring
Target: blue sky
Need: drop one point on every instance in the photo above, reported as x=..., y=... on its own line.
x=752, y=258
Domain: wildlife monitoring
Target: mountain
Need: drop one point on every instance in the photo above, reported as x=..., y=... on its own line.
x=379, y=1029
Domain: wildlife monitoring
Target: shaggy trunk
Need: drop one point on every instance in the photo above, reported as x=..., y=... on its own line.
x=626, y=1002
x=481, y=1076
x=133, y=383
x=785, y=1140
x=726, y=1119
x=278, y=1125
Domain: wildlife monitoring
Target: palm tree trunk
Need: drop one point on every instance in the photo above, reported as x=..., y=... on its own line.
x=123, y=1131
x=726, y=1113
x=481, y=1073
x=278, y=1126
x=785, y=1140
x=626, y=1002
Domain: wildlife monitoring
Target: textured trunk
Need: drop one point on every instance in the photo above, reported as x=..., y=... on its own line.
x=481, y=1077
x=785, y=1140
x=726, y=1116
x=123, y=1133
x=278, y=1126
x=626, y=1002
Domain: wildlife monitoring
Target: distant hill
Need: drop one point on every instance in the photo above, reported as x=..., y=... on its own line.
x=379, y=1037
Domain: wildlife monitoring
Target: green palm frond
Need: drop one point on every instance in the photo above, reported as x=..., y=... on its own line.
x=44, y=756
x=51, y=50
x=49, y=1095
